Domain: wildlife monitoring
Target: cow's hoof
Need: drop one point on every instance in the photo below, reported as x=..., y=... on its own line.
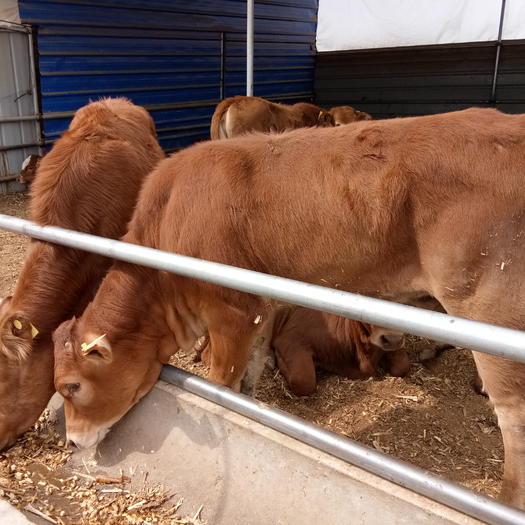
x=247, y=387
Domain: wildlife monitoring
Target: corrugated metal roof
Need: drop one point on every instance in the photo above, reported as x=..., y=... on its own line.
x=166, y=55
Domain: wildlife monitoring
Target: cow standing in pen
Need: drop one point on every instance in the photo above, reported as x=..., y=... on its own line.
x=239, y=115
x=427, y=205
x=88, y=182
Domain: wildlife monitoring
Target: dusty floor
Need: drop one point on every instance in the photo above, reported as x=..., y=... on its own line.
x=432, y=418
x=33, y=478
x=12, y=246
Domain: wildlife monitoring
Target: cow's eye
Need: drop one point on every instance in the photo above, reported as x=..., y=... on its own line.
x=68, y=390
x=73, y=387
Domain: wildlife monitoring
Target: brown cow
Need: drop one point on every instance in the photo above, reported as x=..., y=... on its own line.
x=304, y=339
x=239, y=115
x=88, y=182
x=432, y=204
x=347, y=114
x=29, y=168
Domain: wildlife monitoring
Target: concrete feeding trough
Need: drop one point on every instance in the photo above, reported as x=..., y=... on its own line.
x=242, y=472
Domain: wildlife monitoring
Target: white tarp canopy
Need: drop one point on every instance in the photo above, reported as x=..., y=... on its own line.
x=367, y=24
x=9, y=11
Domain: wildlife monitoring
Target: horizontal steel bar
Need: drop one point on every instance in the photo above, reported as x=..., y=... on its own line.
x=115, y=25
x=96, y=91
x=149, y=107
x=383, y=465
x=19, y=146
x=180, y=10
x=7, y=25
x=183, y=105
x=160, y=130
x=8, y=178
x=155, y=71
x=496, y=340
x=129, y=71
x=22, y=118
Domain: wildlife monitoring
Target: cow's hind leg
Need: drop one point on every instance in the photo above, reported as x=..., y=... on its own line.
x=297, y=365
x=504, y=382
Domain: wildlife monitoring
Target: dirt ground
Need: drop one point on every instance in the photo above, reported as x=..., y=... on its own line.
x=432, y=418
x=12, y=246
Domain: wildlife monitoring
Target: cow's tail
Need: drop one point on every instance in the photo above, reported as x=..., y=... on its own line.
x=218, y=128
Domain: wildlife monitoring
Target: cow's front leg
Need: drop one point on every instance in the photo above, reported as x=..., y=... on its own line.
x=229, y=358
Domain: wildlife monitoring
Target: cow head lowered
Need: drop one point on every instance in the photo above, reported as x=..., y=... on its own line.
x=88, y=182
x=26, y=367
x=102, y=372
x=346, y=114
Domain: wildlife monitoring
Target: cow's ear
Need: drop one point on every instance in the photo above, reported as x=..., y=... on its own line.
x=17, y=334
x=21, y=327
x=97, y=347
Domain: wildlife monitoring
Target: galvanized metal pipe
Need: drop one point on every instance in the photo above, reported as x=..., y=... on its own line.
x=8, y=178
x=7, y=25
x=22, y=118
x=496, y=340
x=382, y=465
x=35, y=93
x=223, y=61
x=19, y=146
x=499, y=45
x=249, y=48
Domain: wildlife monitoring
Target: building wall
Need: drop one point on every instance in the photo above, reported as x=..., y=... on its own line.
x=166, y=56
x=422, y=80
x=19, y=135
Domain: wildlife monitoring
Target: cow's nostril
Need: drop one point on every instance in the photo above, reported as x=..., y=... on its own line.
x=390, y=340
x=70, y=442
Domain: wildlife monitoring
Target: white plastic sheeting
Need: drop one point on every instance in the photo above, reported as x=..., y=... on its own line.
x=367, y=24
x=9, y=11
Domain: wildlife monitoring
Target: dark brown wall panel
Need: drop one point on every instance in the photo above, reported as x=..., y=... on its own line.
x=422, y=80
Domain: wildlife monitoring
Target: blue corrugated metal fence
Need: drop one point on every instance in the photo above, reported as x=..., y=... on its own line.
x=166, y=55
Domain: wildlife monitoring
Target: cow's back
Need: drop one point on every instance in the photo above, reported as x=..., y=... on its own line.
x=373, y=181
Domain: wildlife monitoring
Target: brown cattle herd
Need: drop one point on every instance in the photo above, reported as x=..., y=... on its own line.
x=403, y=209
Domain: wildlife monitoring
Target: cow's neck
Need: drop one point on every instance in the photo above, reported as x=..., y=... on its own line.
x=51, y=285
x=125, y=302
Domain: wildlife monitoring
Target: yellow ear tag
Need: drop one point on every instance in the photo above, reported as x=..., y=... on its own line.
x=86, y=348
x=17, y=324
x=320, y=114
x=34, y=331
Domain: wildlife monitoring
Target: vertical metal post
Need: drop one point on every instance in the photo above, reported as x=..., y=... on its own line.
x=34, y=91
x=499, y=44
x=223, y=61
x=249, y=48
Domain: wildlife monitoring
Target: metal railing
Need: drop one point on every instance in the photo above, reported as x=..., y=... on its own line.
x=483, y=337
